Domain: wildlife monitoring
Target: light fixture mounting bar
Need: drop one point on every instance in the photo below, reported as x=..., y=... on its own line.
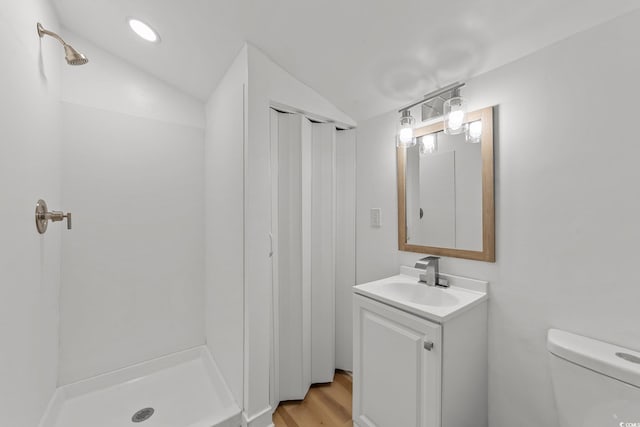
x=428, y=97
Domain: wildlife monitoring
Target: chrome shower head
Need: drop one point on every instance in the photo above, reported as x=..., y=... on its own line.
x=72, y=56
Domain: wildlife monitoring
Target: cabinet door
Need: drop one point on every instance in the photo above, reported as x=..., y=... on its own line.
x=397, y=379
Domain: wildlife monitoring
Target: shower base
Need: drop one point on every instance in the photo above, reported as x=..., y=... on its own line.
x=183, y=390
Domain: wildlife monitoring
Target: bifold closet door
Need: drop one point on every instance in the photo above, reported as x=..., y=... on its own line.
x=345, y=245
x=303, y=170
x=291, y=200
x=323, y=240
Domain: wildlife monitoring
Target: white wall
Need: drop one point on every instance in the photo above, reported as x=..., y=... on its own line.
x=268, y=85
x=376, y=248
x=111, y=84
x=29, y=170
x=566, y=204
x=224, y=225
x=133, y=176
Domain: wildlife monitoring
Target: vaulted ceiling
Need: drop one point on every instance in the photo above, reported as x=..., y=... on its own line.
x=365, y=56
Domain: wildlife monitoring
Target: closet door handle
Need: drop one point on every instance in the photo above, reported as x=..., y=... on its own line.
x=270, y=245
x=428, y=345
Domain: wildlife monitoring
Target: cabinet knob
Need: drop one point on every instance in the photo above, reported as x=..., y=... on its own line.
x=428, y=345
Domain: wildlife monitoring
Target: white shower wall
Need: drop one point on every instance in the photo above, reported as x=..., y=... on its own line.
x=133, y=176
x=29, y=169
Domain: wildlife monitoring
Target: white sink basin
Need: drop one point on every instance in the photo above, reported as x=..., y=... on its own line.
x=419, y=293
x=403, y=291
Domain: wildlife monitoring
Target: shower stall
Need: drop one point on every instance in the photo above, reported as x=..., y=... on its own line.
x=132, y=346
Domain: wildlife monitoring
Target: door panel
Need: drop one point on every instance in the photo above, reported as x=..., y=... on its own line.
x=323, y=275
x=291, y=135
x=396, y=380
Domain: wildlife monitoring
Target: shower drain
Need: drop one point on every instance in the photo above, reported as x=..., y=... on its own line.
x=142, y=415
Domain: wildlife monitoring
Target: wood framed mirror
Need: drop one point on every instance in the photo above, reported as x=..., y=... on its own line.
x=446, y=191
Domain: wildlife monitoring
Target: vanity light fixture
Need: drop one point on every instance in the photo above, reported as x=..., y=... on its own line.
x=445, y=102
x=144, y=30
x=405, y=137
x=455, y=114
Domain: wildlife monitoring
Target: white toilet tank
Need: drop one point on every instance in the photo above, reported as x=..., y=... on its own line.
x=595, y=384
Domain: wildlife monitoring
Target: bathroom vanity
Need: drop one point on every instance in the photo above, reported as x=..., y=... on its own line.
x=420, y=352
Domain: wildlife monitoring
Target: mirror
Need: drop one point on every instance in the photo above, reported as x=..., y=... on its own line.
x=445, y=191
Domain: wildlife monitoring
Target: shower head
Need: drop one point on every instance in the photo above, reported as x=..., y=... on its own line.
x=72, y=56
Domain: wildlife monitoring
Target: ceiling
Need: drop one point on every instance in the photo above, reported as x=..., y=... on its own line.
x=365, y=56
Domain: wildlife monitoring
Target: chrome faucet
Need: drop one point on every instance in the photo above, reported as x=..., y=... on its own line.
x=431, y=276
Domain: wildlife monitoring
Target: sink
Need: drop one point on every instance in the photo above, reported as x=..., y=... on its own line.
x=419, y=293
x=403, y=291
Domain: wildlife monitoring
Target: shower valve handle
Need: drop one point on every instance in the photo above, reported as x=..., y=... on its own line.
x=43, y=216
x=55, y=216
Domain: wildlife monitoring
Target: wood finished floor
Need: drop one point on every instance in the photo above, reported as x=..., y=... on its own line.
x=326, y=405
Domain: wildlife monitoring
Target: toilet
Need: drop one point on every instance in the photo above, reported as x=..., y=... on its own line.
x=596, y=384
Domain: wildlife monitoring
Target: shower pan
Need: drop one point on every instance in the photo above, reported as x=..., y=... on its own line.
x=184, y=389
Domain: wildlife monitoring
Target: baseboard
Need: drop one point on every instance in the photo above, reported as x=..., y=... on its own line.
x=261, y=419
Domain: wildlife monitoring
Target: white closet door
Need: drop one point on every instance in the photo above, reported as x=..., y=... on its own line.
x=303, y=162
x=305, y=208
x=291, y=258
x=323, y=219
x=345, y=245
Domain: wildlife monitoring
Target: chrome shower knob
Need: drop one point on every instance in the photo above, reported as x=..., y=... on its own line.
x=43, y=216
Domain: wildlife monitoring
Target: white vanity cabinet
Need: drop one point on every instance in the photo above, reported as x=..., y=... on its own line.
x=415, y=369
x=397, y=367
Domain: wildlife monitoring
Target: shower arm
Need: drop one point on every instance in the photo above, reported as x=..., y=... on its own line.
x=72, y=56
x=42, y=32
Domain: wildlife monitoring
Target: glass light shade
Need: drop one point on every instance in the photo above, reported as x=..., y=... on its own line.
x=474, y=132
x=455, y=114
x=405, y=137
x=428, y=144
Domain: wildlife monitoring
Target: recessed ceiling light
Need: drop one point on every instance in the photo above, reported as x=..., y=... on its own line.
x=143, y=30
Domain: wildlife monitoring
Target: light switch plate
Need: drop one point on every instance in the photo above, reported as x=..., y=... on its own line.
x=376, y=217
